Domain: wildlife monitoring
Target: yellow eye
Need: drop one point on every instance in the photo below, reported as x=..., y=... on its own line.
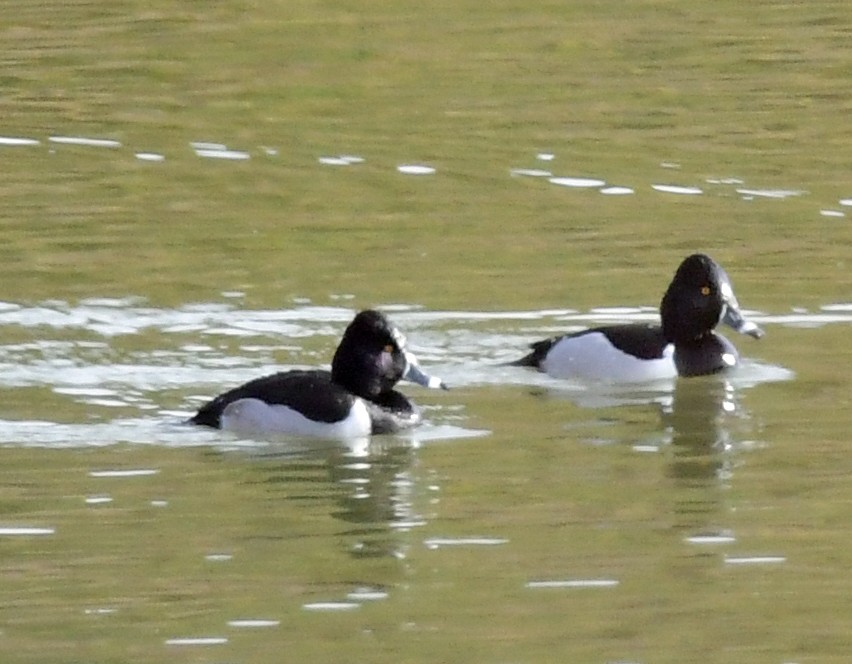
x=705, y=290
x=389, y=348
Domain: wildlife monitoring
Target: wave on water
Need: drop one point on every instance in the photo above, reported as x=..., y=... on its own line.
x=89, y=353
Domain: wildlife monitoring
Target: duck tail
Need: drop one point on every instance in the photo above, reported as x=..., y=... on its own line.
x=534, y=359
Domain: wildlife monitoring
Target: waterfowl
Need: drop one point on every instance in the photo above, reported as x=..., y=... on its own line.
x=355, y=399
x=699, y=297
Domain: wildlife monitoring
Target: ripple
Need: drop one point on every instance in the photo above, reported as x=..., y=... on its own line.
x=25, y=531
x=437, y=542
x=73, y=349
x=367, y=595
x=98, y=500
x=150, y=156
x=415, y=169
x=232, y=155
x=531, y=172
x=677, y=189
x=139, y=472
x=197, y=641
x=754, y=560
x=218, y=557
x=711, y=538
x=769, y=193
x=574, y=583
x=253, y=623
x=81, y=140
x=330, y=606
x=577, y=182
x=341, y=160
x=85, y=391
x=13, y=141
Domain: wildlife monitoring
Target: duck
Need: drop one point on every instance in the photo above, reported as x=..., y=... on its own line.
x=355, y=399
x=699, y=297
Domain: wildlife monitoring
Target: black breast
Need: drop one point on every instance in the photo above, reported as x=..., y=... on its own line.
x=391, y=411
x=705, y=355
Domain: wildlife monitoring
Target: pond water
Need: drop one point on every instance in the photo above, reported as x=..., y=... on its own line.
x=193, y=200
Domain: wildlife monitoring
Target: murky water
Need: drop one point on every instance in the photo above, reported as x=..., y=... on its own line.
x=182, y=542
x=193, y=200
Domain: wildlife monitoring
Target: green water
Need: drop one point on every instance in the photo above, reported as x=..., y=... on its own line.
x=707, y=525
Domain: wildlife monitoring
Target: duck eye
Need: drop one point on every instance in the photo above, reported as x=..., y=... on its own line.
x=705, y=290
x=389, y=348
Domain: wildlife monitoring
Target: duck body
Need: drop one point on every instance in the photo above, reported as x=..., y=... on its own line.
x=355, y=399
x=699, y=297
x=617, y=353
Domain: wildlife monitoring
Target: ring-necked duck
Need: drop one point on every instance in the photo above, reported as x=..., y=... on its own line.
x=699, y=297
x=356, y=398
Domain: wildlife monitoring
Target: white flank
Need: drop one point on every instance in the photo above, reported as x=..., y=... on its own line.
x=258, y=417
x=592, y=357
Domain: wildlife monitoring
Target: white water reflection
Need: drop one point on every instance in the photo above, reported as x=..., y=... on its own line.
x=617, y=191
x=439, y=542
x=711, y=538
x=677, y=189
x=531, y=172
x=25, y=531
x=330, y=606
x=574, y=583
x=415, y=169
x=577, y=182
x=218, y=151
x=769, y=193
x=754, y=560
x=197, y=641
x=150, y=156
x=253, y=623
x=341, y=160
x=136, y=472
x=367, y=595
x=82, y=140
x=15, y=141
x=89, y=354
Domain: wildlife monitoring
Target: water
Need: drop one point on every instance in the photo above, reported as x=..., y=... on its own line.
x=203, y=538
x=193, y=200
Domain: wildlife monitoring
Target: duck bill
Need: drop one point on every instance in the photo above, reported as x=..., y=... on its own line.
x=734, y=318
x=415, y=374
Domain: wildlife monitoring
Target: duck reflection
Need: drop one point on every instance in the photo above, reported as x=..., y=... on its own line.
x=697, y=423
x=700, y=420
x=368, y=482
x=376, y=500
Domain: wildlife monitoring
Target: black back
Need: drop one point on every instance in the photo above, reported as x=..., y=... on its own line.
x=645, y=342
x=312, y=393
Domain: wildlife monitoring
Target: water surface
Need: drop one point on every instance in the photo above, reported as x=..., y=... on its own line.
x=194, y=198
